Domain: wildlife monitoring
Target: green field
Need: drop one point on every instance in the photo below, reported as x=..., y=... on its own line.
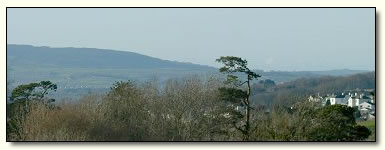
x=371, y=124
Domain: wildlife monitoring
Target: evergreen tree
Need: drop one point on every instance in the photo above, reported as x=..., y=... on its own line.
x=234, y=93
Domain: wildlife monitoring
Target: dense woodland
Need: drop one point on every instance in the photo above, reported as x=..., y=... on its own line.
x=189, y=109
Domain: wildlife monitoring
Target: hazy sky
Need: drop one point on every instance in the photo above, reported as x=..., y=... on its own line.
x=269, y=38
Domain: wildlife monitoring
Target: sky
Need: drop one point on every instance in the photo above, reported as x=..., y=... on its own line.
x=285, y=39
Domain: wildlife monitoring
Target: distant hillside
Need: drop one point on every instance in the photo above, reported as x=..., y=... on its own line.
x=285, y=76
x=329, y=84
x=300, y=89
x=81, y=70
x=89, y=58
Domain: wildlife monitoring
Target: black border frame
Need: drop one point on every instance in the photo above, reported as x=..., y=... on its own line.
x=375, y=90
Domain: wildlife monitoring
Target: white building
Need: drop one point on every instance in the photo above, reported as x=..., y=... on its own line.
x=339, y=99
x=367, y=110
x=356, y=101
x=353, y=101
x=366, y=106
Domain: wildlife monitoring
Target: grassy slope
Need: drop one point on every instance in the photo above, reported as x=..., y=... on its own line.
x=371, y=124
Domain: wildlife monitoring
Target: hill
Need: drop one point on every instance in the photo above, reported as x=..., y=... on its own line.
x=89, y=58
x=94, y=68
x=81, y=70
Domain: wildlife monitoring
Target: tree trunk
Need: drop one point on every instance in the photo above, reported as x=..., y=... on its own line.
x=247, y=127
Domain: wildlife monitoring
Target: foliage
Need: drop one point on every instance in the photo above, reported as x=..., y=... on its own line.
x=337, y=123
x=235, y=65
x=32, y=91
x=188, y=109
x=233, y=95
x=236, y=96
x=371, y=125
x=309, y=121
x=25, y=98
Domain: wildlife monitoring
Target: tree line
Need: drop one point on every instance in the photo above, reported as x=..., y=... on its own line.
x=188, y=109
